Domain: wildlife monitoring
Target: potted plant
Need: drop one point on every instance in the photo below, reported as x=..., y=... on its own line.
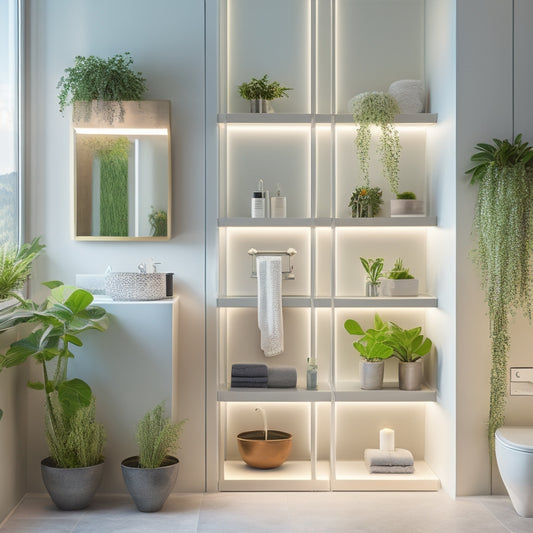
x=399, y=282
x=379, y=109
x=503, y=222
x=15, y=265
x=74, y=468
x=107, y=82
x=406, y=205
x=261, y=92
x=409, y=346
x=151, y=475
x=373, y=269
x=366, y=202
x=373, y=350
x=158, y=222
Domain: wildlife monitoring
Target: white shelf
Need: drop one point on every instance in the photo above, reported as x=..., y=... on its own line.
x=352, y=392
x=353, y=475
x=374, y=222
x=291, y=475
x=418, y=119
x=251, y=301
x=238, y=394
x=386, y=301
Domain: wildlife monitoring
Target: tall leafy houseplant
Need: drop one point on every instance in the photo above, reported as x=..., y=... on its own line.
x=262, y=88
x=74, y=438
x=379, y=109
x=104, y=80
x=504, y=228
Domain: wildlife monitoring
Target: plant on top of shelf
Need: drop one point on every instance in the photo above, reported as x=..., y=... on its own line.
x=407, y=195
x=399, y=271
x=379, y=109
x=373, y=349
x=15, y=265
x=374, y=269
x=503, y=222
x=399, y=281
x=262, y=91
x=366, y=202
x=104, y=80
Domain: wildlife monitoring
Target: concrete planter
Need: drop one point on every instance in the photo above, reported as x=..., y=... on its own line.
x=399, y=287
x=150, y=487
x=411, y=375
x=406, y=208
x=371, y=374
x=71, y=488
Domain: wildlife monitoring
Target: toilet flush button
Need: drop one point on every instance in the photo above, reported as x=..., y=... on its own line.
x=521, y=381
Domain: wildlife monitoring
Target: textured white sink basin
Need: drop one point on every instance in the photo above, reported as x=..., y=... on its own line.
x=132, y=286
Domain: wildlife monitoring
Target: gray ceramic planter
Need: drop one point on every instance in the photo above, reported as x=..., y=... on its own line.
x=71, y=488
x=149, y=487
x=371, y=374
x=410, y=375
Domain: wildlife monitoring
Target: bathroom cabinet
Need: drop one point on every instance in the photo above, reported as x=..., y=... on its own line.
x=307, y=148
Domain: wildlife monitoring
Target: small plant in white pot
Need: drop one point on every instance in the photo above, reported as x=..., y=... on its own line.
x=409, y=346
x=373, y=269
x=373, y=350
x=260, y=92
x=406, y=205
x=399, y=282
x=151, y=475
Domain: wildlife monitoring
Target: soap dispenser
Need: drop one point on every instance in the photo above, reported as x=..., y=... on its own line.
x=258, y=202
x=278, y=205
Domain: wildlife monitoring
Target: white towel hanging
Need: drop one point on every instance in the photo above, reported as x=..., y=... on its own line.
x=269, y=311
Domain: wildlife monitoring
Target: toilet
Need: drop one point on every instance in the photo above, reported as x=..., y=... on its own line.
x=514, y=455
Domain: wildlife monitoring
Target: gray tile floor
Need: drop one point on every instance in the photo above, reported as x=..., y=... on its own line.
x=287, y=512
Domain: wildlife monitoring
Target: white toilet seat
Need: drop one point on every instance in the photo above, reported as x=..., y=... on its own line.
x=519, y=438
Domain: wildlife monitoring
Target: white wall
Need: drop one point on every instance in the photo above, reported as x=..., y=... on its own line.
x=166, y=40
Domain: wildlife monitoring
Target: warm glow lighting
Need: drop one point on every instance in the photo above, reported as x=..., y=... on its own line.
x=121, y=131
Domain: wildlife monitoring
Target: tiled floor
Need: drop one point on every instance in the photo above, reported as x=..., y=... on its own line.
x=293, y=512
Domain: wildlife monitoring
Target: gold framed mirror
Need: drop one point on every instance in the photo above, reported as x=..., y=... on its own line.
x=122, y=171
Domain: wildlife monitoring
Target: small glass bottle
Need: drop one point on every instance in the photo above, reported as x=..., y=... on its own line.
x=312, y=374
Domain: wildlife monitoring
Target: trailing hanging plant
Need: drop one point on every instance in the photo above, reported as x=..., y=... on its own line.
x=377, y=108
x=105, y=80
x=366, y=202
x=504, y=227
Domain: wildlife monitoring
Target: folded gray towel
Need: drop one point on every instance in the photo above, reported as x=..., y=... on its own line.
x=391, y=469
x=399, y=457
x=282, y=377
x=249, y=370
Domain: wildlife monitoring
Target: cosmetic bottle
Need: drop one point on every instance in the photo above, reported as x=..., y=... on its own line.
x=258, y=202
x=278, y=205
x=312, y=374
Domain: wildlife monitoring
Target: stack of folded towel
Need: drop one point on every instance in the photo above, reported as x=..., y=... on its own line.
x=249, y=375
x=260, y=376
x=398, y=461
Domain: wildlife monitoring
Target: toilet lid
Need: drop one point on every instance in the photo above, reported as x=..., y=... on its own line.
x=518, y=437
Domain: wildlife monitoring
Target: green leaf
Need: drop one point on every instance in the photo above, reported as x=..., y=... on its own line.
x=379, y=351
x=424, y=348
x=52, y=284
x=35, y=385
x=79, y=300
x=353, y=327
x=74, y=340
x=73, y=394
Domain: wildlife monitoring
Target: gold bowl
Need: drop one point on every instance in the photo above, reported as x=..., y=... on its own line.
x=260, y=453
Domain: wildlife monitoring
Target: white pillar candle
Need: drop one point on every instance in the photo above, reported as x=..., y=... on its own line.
x=386, y=440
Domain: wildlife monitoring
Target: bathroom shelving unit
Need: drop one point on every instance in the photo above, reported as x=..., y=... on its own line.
x=307, y=147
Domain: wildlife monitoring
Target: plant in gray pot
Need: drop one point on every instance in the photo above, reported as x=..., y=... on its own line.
x=409, y=346
x=399, y=281
x=151, y=475
x=373, y=269
x=406, y=205
x=373, y=350
x=261, y=92
x=73, y=471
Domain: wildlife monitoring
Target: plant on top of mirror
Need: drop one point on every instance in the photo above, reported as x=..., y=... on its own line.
x=366, y=202
x=15, y=265
x=262, y=88
x=104, y=80
x=379, y=109
x=503, y=222
x=407, y=195
x=158, y=221
x=399, y=271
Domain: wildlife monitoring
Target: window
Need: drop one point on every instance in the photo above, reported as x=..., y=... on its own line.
x=10, y=179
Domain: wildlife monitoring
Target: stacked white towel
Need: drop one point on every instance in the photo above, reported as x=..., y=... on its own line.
x=398, y=461
x=269, y=311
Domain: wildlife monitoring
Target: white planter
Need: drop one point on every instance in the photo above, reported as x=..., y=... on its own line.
x=399, y=287
x=406, y=208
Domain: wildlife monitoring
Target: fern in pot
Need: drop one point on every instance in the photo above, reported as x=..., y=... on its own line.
x=373, y=350
x=151, y=475
x=503, y=224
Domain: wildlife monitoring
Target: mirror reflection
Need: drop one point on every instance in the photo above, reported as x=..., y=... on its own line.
x=122, y=174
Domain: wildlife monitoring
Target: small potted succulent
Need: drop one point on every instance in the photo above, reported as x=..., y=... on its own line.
x=151, y=475
x=373, y=349
x=409, y=346
x=399, y=281
x=260, y=92
x=406, y=205
x=365, y=202
x=373, y=269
